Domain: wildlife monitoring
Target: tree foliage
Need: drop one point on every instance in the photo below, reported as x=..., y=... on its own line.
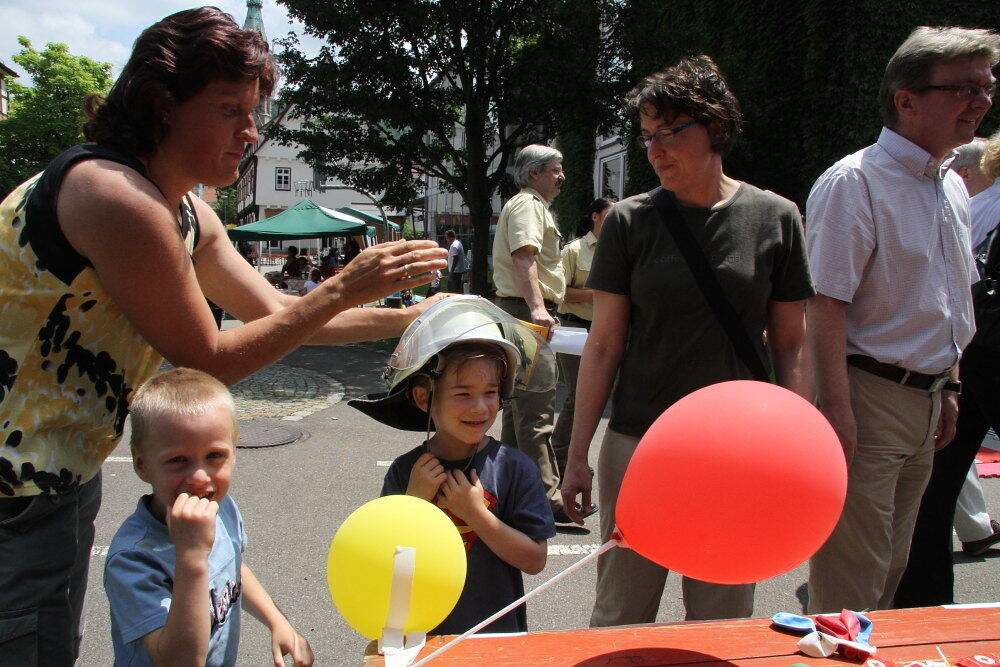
x=225, y=204
x=437, y=88
x=807, y=73
x=46, y=117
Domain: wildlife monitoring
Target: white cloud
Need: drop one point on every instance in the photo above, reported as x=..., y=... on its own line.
x=105, y=29
x=76, y=31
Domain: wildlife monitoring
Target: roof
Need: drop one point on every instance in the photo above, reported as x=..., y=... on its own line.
x=368, y=217
x=305, y=220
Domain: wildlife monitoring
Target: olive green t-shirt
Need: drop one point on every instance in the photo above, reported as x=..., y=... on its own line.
x=675, y=344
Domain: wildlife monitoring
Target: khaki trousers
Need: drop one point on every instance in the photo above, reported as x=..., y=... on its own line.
x=527, y=422
x=569, y=364
x=861, y=563
x=629, y=586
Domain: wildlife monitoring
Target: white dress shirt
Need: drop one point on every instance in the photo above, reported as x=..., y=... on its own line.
x=887, y=230
x=985, y=211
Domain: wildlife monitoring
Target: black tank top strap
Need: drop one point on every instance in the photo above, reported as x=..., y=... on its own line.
x=42, y=231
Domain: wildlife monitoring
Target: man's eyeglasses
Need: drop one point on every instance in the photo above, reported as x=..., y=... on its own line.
x=661, y=136
x=967, y=92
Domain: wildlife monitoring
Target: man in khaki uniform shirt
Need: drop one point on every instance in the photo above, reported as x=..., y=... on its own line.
x=528, y=274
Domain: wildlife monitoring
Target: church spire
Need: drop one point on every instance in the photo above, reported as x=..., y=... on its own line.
x=254, y=21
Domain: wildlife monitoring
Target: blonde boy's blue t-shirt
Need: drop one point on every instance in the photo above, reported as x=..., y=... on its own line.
x=139, y=575
x=513, y=491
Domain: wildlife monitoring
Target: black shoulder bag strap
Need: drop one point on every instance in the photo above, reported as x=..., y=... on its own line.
x=708, y=282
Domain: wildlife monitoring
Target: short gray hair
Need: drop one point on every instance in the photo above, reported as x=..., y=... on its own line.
x=970, y=154
x=911, y=66
x=532, y=157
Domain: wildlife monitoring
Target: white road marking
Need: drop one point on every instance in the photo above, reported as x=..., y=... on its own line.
x=383, y=464
x=572, y=549
x=119, y=459
x=98, y=551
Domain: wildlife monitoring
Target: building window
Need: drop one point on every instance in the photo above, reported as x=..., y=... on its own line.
x=612, y=176
x=282, y=178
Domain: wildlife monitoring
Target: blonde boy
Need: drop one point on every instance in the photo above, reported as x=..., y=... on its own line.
x=174, y=575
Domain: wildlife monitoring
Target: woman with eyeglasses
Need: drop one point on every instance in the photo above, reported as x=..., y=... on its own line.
x=655, y=329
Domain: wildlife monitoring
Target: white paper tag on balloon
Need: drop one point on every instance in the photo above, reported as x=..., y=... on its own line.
x=400, y=648
x=568, y=340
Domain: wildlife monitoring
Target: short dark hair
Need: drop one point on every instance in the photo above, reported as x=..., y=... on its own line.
x=599, y=205
x=694, y=87
x=172, y=61
x=450, y=233
x=292, y=250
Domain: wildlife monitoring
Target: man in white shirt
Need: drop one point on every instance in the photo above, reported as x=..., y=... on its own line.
x=888, y=242
x=457, y=263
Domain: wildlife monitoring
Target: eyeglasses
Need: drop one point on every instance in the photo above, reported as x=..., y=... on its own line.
x=966, y=92
x=661, y=136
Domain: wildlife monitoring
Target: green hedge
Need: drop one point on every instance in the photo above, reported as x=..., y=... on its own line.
x=806, y=73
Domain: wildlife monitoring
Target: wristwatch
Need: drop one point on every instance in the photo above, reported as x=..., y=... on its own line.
x=952, y=385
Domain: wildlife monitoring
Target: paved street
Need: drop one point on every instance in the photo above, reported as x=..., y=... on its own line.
x=294, y=497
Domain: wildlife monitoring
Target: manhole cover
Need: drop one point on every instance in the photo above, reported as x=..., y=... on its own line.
x=265, y=433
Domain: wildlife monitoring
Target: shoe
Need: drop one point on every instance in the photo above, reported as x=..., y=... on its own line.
x=560, y=516
x=979, y=547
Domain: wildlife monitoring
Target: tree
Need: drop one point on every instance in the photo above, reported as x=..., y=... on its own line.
x=46, y=117
x=225, y=204
x=806, y=73
x=440, y=88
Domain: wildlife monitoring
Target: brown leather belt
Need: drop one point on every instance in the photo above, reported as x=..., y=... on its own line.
x=898, y=375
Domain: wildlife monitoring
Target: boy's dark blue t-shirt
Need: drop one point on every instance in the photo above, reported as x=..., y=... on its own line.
x=512, y=489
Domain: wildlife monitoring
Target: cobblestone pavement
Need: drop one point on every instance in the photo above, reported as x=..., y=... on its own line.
x=284, y=392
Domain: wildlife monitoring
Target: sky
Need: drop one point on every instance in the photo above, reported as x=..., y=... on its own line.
x=105, y=29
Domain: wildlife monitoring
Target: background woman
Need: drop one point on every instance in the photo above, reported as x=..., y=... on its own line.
x=576, y=310
x=78, y=332
x=654, y=329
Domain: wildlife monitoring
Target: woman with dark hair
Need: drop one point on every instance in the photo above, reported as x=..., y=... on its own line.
x=576, y=310
x=655, y=327
x=78, y=332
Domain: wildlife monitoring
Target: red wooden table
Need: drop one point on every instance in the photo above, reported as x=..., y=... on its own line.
x=901, y=635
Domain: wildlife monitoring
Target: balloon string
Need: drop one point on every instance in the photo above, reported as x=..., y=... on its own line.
x=607, y=546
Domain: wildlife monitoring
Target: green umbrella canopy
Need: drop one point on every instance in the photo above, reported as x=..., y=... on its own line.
x=305, y=220
x=368, y=217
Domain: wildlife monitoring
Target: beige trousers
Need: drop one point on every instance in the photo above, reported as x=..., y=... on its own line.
x=861, y=563
x=629, y=586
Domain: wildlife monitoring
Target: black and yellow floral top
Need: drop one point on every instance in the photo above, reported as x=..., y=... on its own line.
x=69, y=358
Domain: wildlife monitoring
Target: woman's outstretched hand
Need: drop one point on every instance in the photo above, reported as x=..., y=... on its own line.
x=387, y=268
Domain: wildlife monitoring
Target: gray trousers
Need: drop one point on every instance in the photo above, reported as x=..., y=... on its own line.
x=629, y=586
x=45, y=545
x=527, y=422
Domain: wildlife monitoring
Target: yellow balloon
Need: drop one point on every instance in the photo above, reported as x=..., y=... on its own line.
x=360, y=563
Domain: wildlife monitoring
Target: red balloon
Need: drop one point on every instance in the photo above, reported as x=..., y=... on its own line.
x=735, y=483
